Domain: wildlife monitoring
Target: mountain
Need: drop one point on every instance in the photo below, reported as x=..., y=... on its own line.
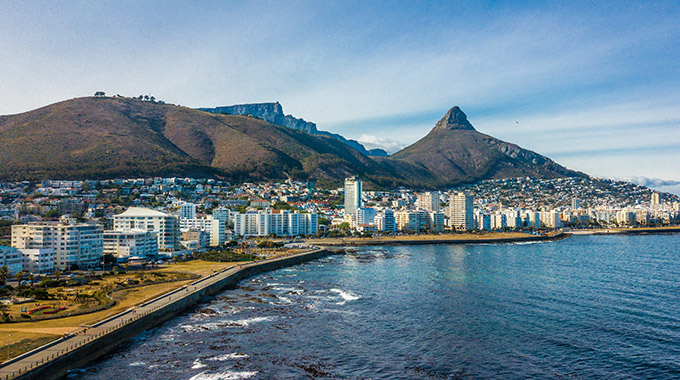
x=108, y=137
x=117, y=137
x=273, y=113
x=455, y=152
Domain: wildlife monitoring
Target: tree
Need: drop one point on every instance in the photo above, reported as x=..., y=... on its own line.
x=19, y=276
x=99, y=94
x=31, y=278
x=146, y=97
x=4, y=274
x=57, y=274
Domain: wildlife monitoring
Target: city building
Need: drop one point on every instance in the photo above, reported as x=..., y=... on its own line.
x=429, y=201
x=74, y=244
x=214, y=228
x=38, y=260
x=277, y=222
x=353, y=192
x=134, y=243
x=12, y=258
x=144, y=219
x=385, y=221
x=365, y=215
x=461, y=212
x=187, y=210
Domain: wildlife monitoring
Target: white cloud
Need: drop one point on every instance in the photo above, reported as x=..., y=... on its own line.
x=373, y=142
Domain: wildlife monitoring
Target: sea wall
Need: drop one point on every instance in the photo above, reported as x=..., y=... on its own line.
x=98, y=347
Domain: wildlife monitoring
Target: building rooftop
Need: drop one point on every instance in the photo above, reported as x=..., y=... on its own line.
x=142, y=211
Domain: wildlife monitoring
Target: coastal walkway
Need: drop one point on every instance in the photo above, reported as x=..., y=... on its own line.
x=29, y=364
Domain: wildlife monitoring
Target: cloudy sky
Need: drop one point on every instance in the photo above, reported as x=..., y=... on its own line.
x=593, y=85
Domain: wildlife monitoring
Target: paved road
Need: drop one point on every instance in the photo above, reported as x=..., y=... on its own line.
x=85, y=335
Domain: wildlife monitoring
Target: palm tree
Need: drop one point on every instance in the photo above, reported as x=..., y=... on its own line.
x=4, y=274
x=31, y=278
x=19, y=276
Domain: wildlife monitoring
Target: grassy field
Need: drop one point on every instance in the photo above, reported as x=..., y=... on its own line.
x=21, y=337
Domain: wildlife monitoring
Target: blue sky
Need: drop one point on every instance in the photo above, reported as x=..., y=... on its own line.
x=593, y=85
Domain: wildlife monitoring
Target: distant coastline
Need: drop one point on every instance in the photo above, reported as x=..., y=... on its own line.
x=466, y=238
x=629, y=231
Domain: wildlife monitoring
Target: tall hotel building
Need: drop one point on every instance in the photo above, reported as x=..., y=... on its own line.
x=72, y=243
x=460, y=211
x=144, y=219
x=352, y=195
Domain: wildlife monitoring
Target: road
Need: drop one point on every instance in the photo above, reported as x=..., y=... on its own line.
x=84, y=335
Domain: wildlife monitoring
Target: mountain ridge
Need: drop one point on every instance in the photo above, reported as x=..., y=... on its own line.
x=273, y=113
x=113, y=137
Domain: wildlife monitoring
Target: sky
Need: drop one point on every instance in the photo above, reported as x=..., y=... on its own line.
x=593, y=85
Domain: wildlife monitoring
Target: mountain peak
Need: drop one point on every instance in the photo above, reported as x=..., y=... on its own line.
x=455, y=119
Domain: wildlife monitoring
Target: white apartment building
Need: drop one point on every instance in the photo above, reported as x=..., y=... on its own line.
x=412, y=220
x=551, y=219
x=135, y=243
x=460, y=211
x=353, y=189
x=436, y=221
x=73, y=244
x=38, y=260
x=279, y=222
x=385, y=221
x=221, y=214
x=366, y=215
x=429, y=201
x=187, y=210
x=139, y=218
x=215, y=228
x=11, y=257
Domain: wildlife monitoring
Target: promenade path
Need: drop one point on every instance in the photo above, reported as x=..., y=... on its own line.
x=24, y=363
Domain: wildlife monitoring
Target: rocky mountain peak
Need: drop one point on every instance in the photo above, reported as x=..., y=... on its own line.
x=455, y=119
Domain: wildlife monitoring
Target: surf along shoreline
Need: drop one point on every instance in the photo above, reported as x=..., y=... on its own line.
x=491, y=238
x=91, y=343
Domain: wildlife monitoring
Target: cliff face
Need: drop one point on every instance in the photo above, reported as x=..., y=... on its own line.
x=273, y=113
x=269, y=112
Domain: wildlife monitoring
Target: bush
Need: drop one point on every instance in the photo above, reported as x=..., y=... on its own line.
x=269, y=244
x=37, y=293
x=225, y=256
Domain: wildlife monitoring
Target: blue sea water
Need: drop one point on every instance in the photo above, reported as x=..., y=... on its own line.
x=583, y=307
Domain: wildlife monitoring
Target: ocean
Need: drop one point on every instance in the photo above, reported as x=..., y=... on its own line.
x=582, y=307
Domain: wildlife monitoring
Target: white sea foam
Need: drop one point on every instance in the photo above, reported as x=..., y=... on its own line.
x=346, y=295
x=137, y=364
x=225, y=357
x=246, y=322
x=197, y=364
x=226, y=375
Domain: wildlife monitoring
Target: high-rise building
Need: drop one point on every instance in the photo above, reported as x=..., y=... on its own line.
x=139, y=218
x=137, y=243
x=187, y=210
x=278, y=222
x=79, y=244
x=215, y=228
x=656, y=199
x=429, y=201
x=460, y=211
x=575, y=203
x=352, y=195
